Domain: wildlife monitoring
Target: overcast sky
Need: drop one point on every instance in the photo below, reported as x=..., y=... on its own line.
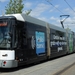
x=49, y=11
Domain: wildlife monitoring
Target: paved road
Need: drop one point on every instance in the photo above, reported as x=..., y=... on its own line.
x=67, y=71
x=70, y=71
x=46, y=68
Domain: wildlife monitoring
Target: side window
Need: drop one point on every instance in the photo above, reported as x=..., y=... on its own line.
x=30, y=35
x=19, y=33
x=13, y=31
x=24, y=35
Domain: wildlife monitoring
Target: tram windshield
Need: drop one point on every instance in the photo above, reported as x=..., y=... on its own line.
x=4, y=33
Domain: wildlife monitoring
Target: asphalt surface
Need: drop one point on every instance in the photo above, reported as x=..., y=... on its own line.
x=70, y=70
x=51, y=67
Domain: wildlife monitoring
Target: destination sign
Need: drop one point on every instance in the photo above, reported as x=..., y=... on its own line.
x=3, y=24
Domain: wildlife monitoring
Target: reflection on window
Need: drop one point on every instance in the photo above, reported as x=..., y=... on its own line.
x=4, y=34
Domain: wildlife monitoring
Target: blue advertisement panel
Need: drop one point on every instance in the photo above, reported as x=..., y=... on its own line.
x=40, y=42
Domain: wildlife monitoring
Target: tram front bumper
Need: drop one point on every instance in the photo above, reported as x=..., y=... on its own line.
x=8, y=63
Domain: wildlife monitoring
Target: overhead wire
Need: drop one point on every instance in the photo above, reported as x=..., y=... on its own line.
x=54, y=6
x=59, y=11
x=69, y=6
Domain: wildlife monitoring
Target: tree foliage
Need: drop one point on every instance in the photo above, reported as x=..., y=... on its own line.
x=15, y=6
x=28, y=12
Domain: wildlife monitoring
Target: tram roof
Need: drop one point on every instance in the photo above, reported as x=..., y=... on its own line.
x=24, y=17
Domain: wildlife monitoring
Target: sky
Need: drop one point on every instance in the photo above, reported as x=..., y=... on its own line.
x=49, y=11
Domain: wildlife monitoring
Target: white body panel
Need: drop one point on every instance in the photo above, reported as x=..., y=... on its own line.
x=7, y=54
x=18, y=16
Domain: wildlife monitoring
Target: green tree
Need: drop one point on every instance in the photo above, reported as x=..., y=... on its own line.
x=15, y=6
x=28, y=11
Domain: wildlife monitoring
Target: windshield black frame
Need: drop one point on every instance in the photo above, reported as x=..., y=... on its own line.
x=4, y=33
x=8, y=36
